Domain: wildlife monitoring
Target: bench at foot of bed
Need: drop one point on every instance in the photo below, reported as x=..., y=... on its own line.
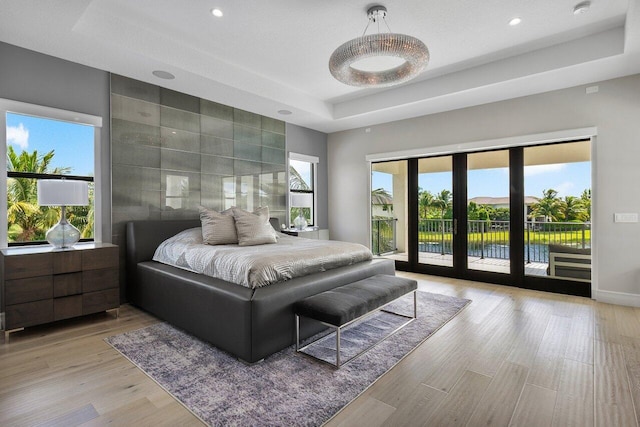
x=344, y=305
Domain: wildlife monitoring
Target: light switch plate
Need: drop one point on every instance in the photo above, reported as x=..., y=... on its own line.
x=625, y=217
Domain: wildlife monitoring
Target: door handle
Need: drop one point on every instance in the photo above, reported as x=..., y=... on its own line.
x=455, y=227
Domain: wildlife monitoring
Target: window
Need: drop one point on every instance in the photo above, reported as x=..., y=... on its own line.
x=302, y=179
x=46, y=143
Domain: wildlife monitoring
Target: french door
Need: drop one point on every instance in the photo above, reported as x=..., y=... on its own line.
x=474, y=216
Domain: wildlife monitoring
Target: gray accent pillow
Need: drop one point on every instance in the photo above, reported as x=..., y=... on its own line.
x=254, y=228
x=218, y=228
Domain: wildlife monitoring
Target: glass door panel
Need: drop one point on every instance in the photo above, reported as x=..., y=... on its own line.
x=435, y=211
x=488, y=211
x=389, y=230
x=557, y=232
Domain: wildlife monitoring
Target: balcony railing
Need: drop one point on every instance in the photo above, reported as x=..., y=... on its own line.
x=383, y=235
x=486, y=239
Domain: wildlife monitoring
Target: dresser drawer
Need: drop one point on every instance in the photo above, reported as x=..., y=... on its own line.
x=17, y=267
x=100, y=258
x=27, y=290
x=67, y=284
x=29, y=314
x=67, y=262
x=67, y=307
x=97, y=280
x=94, y=302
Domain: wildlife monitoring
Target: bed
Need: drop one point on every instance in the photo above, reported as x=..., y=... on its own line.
x=248, y=322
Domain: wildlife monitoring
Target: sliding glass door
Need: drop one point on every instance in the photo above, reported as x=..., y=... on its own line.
x=389, y=228
x=557, y=232
x=488, y=212
x=435, y=211
x=517, y=216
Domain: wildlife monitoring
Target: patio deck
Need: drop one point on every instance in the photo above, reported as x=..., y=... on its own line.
x=475, y=263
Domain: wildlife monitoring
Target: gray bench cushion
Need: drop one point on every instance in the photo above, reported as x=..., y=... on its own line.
x=346, y=303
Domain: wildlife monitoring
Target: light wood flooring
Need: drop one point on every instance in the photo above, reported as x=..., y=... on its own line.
x=512, y=358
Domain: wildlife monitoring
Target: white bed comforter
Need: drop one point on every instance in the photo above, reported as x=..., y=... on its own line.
x=257, y=266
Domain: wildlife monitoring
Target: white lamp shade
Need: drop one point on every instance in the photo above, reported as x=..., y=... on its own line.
x=301, y=200
x=62, y=192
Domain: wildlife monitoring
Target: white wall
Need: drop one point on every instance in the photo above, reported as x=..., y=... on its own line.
x=614, y=110
x=313, y=143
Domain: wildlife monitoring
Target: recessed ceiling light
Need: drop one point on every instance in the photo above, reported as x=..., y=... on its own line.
x=581, y=7
x=163, y=75
x=216, y=12
x=515, y=21
x=284, y=112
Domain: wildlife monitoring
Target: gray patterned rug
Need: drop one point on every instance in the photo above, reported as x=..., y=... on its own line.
x=286, y=388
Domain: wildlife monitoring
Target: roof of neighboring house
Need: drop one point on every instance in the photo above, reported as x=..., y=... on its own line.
x=493, y=201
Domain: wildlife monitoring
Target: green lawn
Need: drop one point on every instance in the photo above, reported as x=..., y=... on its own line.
x=502, y=237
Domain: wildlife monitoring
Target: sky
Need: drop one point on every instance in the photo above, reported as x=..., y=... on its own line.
x=72, y=143
x=568, y=179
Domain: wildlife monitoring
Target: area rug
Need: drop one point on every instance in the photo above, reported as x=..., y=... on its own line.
x=287, y=388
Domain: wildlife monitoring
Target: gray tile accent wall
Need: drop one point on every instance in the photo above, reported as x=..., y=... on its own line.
x=172, y=152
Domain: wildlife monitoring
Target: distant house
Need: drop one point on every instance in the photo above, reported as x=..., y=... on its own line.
x=503, y=202
x=381, y=205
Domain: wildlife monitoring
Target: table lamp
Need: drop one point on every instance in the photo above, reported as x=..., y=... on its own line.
x=63, y=193
x=300, y=201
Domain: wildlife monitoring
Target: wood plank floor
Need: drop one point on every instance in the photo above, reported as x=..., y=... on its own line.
x=513, y=357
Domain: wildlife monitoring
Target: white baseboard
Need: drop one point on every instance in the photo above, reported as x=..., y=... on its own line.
x=619, y=298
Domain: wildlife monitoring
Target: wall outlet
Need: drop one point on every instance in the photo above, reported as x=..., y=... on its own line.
x=592, y=89
x=625, y=217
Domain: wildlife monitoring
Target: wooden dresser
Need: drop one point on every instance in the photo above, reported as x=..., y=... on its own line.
x=40, y=285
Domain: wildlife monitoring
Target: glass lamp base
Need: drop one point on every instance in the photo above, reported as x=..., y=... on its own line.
x=63, y=235
x=300, y=223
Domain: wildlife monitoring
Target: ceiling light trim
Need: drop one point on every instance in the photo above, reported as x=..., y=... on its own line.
x=161, y=74
x=581, y=7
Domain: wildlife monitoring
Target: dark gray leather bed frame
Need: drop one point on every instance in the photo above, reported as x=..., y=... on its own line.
x=251, y=324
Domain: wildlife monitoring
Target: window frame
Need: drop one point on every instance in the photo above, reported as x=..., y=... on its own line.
x=40, y=111
x=314, y=161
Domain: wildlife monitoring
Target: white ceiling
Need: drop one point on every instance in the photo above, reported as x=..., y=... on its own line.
x=265, y=56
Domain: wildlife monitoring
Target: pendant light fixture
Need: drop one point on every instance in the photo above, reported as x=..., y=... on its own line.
x=413, y=51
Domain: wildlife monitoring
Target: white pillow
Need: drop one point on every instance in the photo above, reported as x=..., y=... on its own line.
x=218, y=228
x=254, y=228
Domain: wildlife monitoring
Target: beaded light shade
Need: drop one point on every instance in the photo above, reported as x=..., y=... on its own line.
x=413, y=51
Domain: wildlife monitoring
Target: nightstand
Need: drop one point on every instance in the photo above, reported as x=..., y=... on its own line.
x=40, y=284
x=309, y=233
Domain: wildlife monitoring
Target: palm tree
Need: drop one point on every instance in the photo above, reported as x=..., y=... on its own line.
x=477, y=212
x=549, y=206
x=82, y=217
x=585, y=198
x=442, y=201
x=573, y=209
x=22, y=199
x=425, y=201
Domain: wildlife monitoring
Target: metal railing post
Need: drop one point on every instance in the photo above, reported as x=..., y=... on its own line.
x=584, y=226
x=394, y=222
x=482, y=239
x=378, y=234
x=442, y=237
x=528, y=242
